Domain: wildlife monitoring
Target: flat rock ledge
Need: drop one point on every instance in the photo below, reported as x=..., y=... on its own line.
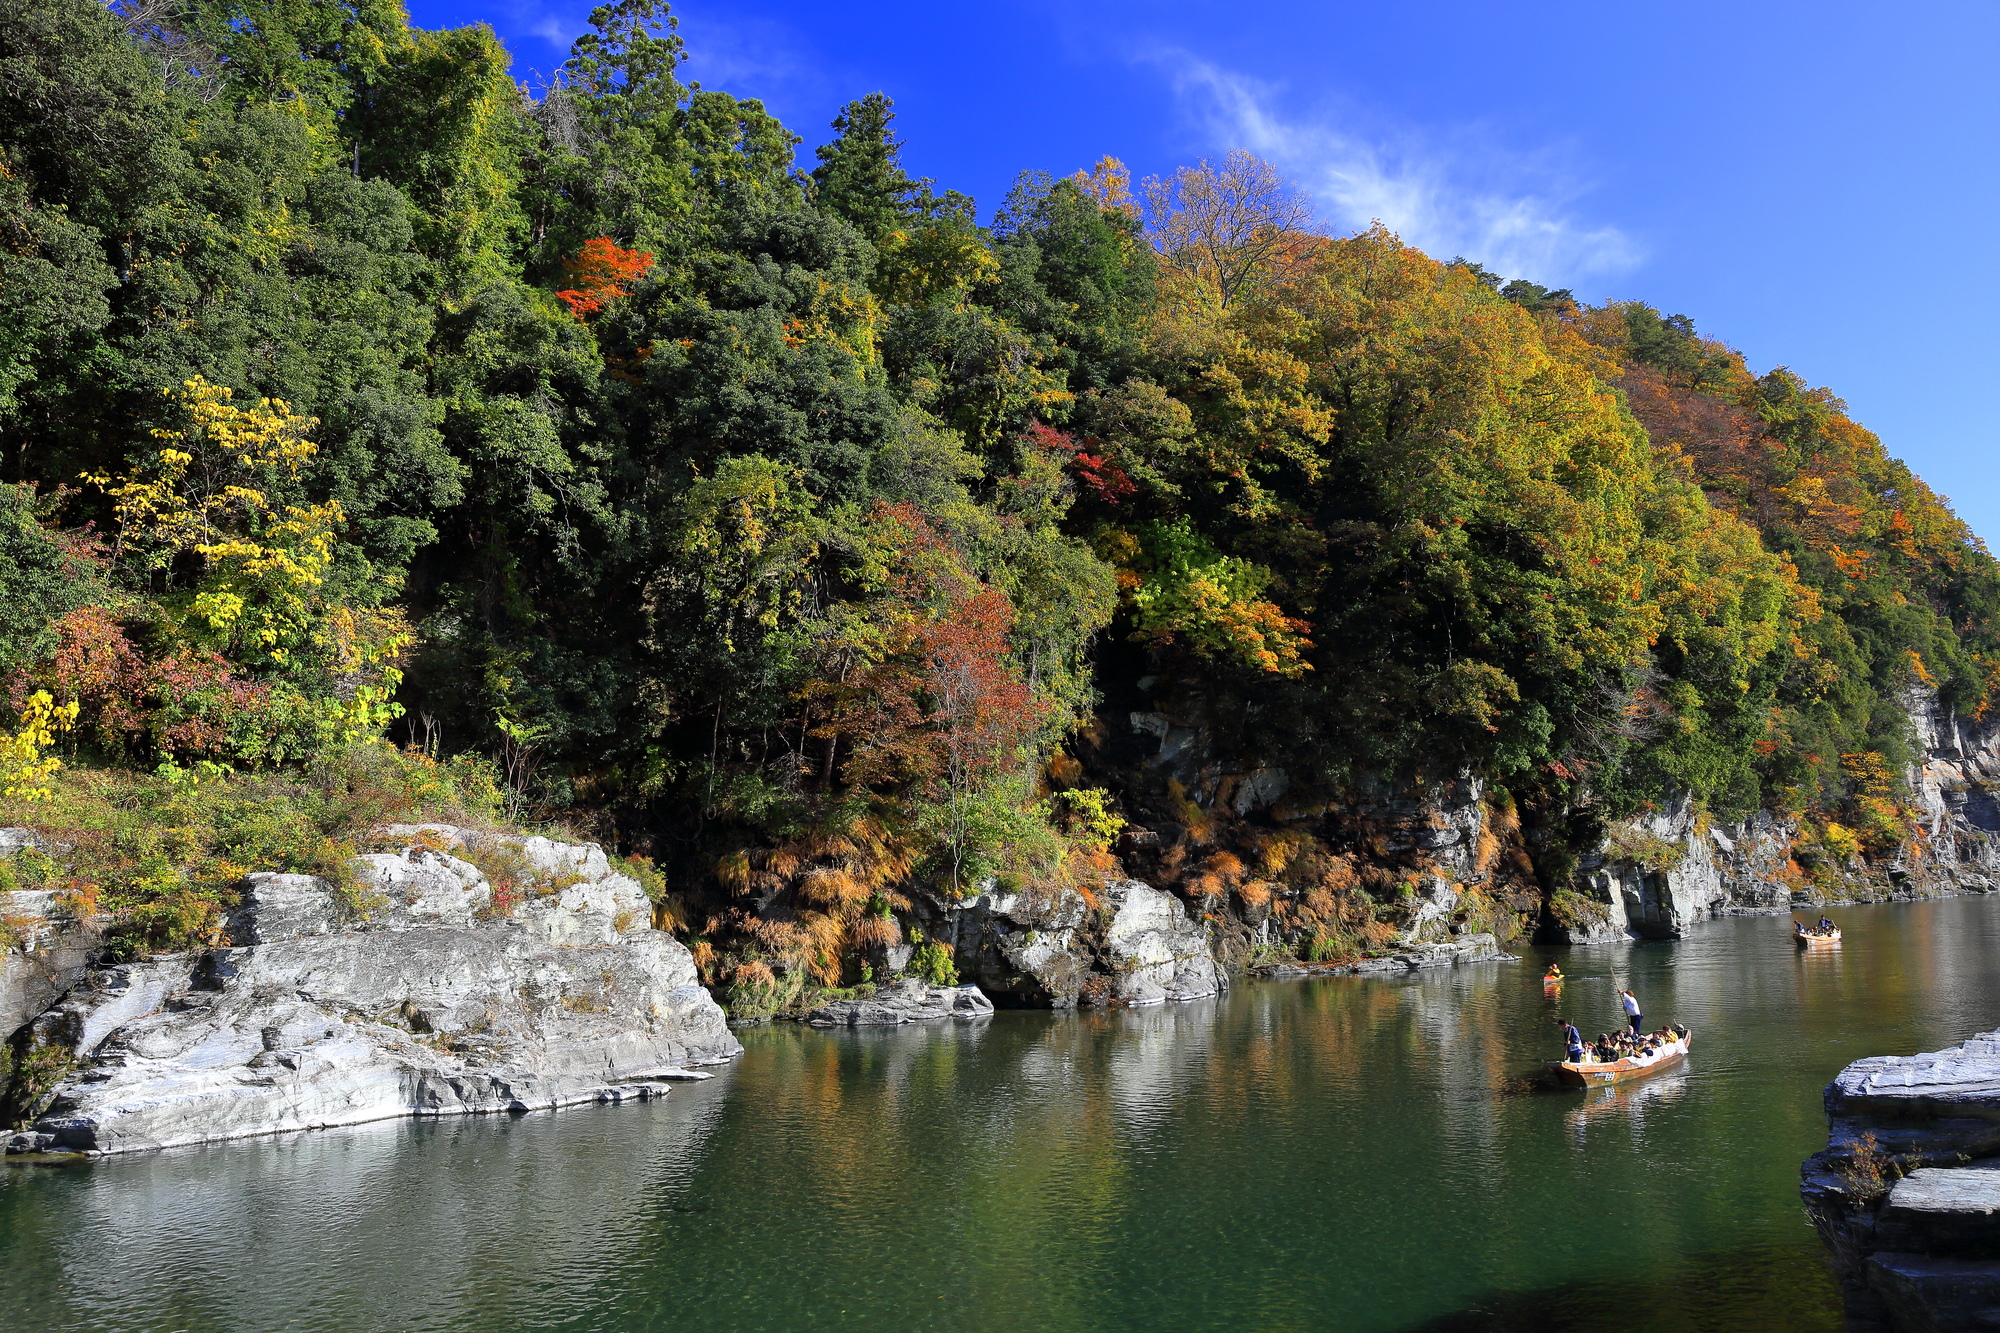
x=908, y=1001
x=1480, y=948
x=414, y=994
x=1906, y=1194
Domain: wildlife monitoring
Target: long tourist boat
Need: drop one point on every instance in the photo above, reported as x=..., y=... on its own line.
x=1594, y=1074
x=1809, y=940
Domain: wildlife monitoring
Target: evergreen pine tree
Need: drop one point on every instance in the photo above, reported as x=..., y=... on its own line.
x=860, y=176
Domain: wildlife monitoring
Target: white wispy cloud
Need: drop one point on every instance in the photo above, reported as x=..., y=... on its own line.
x=752, y=57
x=552, y=30
x=1513, y=213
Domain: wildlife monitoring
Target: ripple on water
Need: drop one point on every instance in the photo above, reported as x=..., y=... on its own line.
x=1356, y=1153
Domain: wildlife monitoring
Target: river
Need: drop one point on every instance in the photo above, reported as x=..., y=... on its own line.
x=1354, y=1154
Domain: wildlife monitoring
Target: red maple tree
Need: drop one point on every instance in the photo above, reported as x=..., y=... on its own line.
x=928, y=699
x=602, y=273
x=1099, y=471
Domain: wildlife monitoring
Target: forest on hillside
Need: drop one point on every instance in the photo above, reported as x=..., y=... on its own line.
x=591, y=452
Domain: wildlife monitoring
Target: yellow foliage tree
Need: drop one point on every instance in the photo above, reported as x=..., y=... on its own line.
x=257, y=590
x=263, y=564
x=25, y=764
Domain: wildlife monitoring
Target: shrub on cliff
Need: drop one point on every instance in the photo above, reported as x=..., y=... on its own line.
x=162, y=856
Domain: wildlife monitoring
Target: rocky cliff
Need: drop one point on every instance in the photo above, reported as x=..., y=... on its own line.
x=418, y=991
x=1906, y=1194
x=1656, y=876
x=1446, y=860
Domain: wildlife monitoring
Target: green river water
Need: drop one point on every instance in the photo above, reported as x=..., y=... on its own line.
x=1337, y=1154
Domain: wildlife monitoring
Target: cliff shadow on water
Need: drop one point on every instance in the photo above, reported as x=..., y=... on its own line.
x=1767, y=1288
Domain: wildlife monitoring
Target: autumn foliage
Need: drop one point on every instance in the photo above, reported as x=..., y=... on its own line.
x=602, y=272
x=928, y=697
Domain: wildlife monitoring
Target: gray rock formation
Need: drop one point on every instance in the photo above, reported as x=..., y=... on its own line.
x=414, y=994
x=1956, y=783
x=1653, y=878
x=1721, y=869
x=1695, y=870
x=1155, y=953
x=1030, y=949
x=47, y=950
x=1412, y=957
x=1907, y=1192
x=1139, y=948
x=910, y=1000
x=44, y=947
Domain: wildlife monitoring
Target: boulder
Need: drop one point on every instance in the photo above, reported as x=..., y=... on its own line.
x=910, y=1000
x=1155, y=952
x=1051, y=950
x=1032, y=949
x=412, y=994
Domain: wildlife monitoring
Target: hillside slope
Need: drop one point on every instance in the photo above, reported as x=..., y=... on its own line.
x=887, y=581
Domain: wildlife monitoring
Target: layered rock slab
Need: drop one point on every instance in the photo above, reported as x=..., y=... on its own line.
x=910, y=1000
x=1907, y=1192
x=412, y=994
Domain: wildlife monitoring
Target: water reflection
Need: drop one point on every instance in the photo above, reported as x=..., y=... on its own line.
x=1294, y=1155
x=1624, y=1106
x=392, y=1226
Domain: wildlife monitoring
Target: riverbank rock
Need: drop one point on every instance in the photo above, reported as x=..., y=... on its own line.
x=418, y=993
x=1479, y=948
x=1156, y=953
x=1053, y=950
x=44, y=951
x=1907, y=1192
x=911, y=1000
x=45, y=946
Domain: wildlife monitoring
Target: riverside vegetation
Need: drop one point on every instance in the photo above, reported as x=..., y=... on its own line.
x=388, y=439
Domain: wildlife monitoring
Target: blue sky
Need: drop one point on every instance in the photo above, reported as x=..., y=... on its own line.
x=1815, y=184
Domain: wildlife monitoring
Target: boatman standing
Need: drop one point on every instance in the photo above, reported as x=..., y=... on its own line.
x=1631, y=1003
x=1572, y=1041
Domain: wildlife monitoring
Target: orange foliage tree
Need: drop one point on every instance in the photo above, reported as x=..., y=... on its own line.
x=601, y=273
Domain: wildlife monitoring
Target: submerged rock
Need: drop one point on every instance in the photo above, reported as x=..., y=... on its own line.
x=1907, y=1192
x=908, y=1001
x=416, y=993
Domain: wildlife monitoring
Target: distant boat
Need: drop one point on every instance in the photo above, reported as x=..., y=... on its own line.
x=1809, y=941
x=1593, y=1074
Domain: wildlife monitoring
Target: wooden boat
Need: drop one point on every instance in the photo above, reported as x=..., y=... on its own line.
x=1811, y=941
x=1592, y=1074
